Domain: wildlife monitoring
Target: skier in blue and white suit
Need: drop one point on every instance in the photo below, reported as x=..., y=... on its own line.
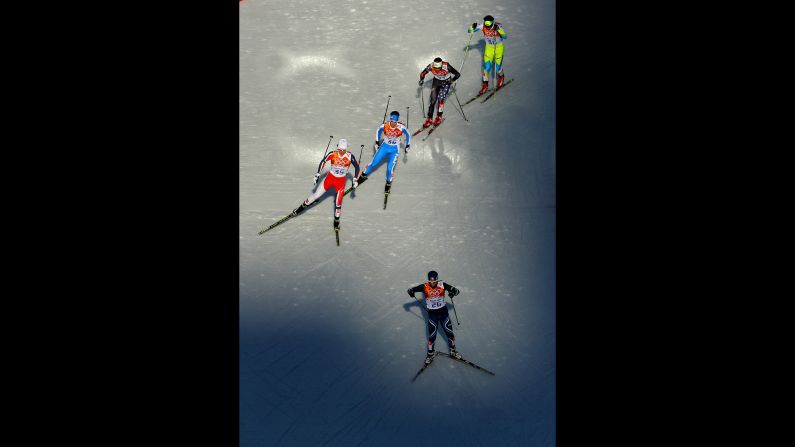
x=387, y=149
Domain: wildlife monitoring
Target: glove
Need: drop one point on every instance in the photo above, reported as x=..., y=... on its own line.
x=411, y=293
x=474, y=25
x=355, y=184
x=422, y=81
x=406, y=149
x=314, y=179
x=454, y=292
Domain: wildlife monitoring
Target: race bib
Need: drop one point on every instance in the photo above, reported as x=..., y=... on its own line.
x=435, y=303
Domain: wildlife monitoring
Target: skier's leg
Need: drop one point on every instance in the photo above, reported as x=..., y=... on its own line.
x=498, y=65
x=431, y=333
x=391, y=164
x=377, y=159
x=488, y=60
x=339, y=186
x=443, y=92
x=432, y=100
x=448, y=331
x=498, y=58
x=488, y=55
x=312, y=197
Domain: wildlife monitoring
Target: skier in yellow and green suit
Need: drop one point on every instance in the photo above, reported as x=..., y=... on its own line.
x=492, y=31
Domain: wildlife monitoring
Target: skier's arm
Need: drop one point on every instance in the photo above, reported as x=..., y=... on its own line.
x=323, y=162
x=424, y=72
x=475, y=27
x=455, y=73
x=502, y=32
x=378, y=134
x=408, y=136
x=415, y=289
x=355, y=164
x=451, y=291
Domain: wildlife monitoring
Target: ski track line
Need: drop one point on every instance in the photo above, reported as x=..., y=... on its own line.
x=339, y=432
x=332, y=386
x=297, y=365
x=384, y=315
x=378, y=421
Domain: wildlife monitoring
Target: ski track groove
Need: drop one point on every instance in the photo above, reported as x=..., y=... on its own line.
x=298, y=364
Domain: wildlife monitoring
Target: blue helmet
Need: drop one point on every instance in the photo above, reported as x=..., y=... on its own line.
x=394, y=115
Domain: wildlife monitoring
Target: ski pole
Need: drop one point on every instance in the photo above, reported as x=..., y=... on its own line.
x=407, y=120
x=460, y=107
x=418, y=302
x=327, y=146
x=422, y=98
x=454, y=311
x=384, y=120
x=361, y=148
x=466, y=53
x=387, y=107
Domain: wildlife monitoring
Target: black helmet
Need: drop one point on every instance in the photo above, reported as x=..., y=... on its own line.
x=433, y=276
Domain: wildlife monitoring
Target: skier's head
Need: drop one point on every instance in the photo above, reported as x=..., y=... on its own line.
x=437, y=63
x=343, y=144
x=394, y=115
x=488, y=21
x=433, y=277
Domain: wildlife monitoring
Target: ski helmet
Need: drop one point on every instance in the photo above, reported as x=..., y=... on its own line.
x=343, y=144
x=433, y=276
x=437, y=63
x=394, y=115
x=488, y=21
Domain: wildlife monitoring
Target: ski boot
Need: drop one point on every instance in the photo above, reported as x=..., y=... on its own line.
x=299, y=209
x=429, y=357
x=361, y=179
x=427, y=122
x=454, y=354
x=500, y=81
x=484, y=88
x=336, y=223
x=387, y=187
x=438, y=120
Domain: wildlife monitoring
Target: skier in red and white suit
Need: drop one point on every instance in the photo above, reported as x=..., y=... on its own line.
x=340, y=161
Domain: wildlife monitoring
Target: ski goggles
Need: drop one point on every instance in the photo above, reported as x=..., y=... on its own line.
x=437, y=65
x=488, y=23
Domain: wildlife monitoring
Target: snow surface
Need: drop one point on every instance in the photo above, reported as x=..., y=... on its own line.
x=329, y=339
